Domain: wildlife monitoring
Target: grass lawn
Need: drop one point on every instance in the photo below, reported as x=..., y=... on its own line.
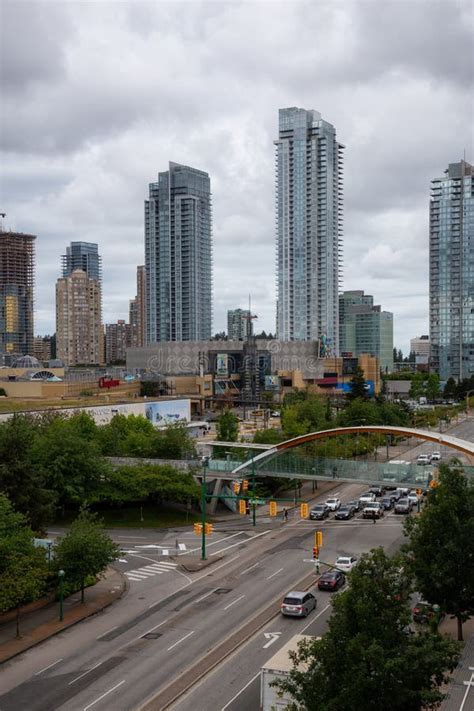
x=153, y=517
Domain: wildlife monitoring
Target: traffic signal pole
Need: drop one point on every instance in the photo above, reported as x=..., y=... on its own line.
x=203, y=511
x=254, y=506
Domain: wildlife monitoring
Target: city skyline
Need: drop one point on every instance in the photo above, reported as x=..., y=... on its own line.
x=403, y=111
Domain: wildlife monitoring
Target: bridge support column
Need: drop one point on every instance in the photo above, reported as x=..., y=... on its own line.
x=212, y=505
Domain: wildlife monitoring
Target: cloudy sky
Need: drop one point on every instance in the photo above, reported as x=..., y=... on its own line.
x=97, y=97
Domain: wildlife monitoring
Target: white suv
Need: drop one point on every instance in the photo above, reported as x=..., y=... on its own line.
x=423, y=459
x=436, y=456
x=333, y=503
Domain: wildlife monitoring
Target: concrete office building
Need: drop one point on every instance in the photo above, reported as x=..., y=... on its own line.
x=365, y=328
x=85, y=256
x=17, y=277
x=118, y=337
x=239, y=324
x=137, y=311
x=178, y=256
x=79, y=330
x=452, y=272
x=309, y=213
x=420, y=347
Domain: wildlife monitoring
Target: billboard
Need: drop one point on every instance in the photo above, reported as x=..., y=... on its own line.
x=369, y=387
x=272, y=382
x=168, y=412
x=222, y=364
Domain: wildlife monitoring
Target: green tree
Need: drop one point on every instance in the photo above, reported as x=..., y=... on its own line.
x=417, y=387
x=85, y=550
x=227, y=427
x=367, y=660
x=357, y=385
x=21, y=477
x=268, y=436
x=173, y=442
x=441, y=545
x=23, y=567
x=432, y=386
x=450, y=390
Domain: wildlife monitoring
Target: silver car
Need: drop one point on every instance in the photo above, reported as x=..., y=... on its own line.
x=298, y=604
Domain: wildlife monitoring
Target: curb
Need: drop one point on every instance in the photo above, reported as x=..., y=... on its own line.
x=66, y=624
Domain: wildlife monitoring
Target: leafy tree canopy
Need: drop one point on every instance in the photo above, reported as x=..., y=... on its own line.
x=367, y=660
x=441, y=545
x=85, y=550
x=227, y=427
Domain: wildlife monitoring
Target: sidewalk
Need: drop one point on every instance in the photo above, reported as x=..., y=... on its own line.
x=460, y=690
x=37, y=626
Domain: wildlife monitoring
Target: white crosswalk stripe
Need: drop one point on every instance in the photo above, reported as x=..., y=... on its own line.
x=148, y=571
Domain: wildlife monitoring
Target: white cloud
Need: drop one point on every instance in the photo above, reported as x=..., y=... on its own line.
x=99, y=97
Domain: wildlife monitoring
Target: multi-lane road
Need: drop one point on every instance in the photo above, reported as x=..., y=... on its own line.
x=207, y=631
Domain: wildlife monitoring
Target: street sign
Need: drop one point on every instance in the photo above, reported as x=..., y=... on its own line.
x=257, y=501
x=272, y=637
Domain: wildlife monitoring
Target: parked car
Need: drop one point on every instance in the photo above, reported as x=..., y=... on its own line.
x=377, y=490
x=387, y=502
x=298, y=604
x=436, y=456
x=373, y=509
x=423, y=612
x=332, y=580
x=333, y=503
x=319, y=512
x=355, y=503
x=367, y=497
x=346, y=563
x=403, y=506
x=345, y=513
x=423, y=459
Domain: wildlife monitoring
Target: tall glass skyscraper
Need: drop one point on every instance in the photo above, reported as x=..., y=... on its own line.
x=85, y=256
x=178, y=256
x=309, y=211
x=17, y=280
x=452, y=272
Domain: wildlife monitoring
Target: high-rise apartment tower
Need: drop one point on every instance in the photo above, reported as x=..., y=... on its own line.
x=85, y=256
x=137, y=311
x=452, y=272
x=309, y=211
x=239, y=324
x=178, y=256
x=79, y=330
x=365, y=328
x=17, y=277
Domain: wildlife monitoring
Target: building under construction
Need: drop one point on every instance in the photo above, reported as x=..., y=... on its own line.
x=17, y=276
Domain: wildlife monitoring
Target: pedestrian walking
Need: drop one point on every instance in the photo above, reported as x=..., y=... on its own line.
x=334, y=472
x=374, y=519
x=285, y=515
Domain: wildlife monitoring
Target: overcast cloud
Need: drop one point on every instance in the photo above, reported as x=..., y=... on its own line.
x=98, y=97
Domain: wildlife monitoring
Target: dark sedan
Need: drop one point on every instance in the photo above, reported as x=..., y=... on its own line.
x=332, y=580
x=319, y=512
x=377, y=490
x=345, y=513
x=355, y=504
x=387, y=502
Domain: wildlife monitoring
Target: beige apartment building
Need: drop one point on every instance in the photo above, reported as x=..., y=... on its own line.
x=137, y=311
x=79, y=330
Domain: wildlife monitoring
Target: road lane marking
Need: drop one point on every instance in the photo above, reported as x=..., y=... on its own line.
x=49, y=666
x=204, y=575
x=468, y=688
x=247, y=540
x=204, y=596
x=105, y=633
x=233, y=602
x=150, y=630
x=240, y=692
x=99, y=698
x=251, y=567
x=272, y=637
x=315, y=618
x=86, y=672
x=214, y=543
x=179, y=641
x=275, y=573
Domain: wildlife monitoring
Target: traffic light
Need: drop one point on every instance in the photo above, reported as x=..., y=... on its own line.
x=245, y=485
x=273, y=508
x=304, y=510
x=319, y=538
x=208, y=528
x=418, y=492
x=198, y=529
x=433, y=484
x=242, y=507
x=315, y=552
x=236, y=487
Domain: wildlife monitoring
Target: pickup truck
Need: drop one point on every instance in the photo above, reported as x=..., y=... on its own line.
x=373, y=509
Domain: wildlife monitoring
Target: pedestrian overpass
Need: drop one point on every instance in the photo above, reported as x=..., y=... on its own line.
x=290, y=460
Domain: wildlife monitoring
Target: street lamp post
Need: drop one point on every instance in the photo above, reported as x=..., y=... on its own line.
x=469, y=392
x=61, y=595
x=254, y=505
